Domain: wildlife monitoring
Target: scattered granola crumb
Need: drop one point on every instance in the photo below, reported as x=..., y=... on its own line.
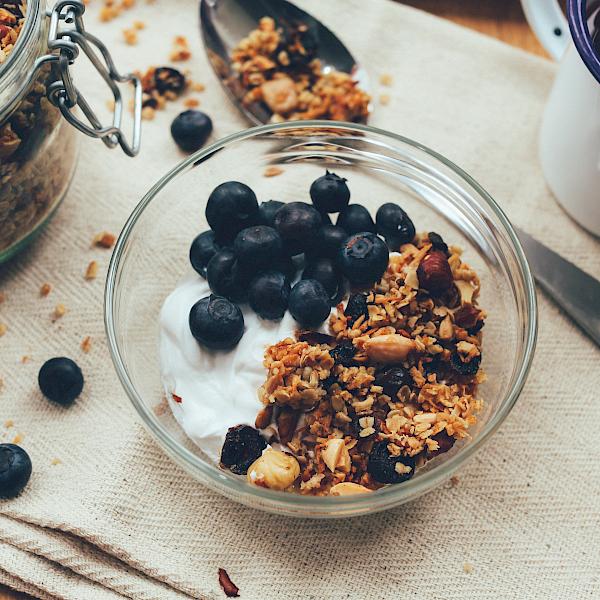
x=105, y=240
x=25, y=359
x=272, y=171
x=18, y=438
x=139, y=25
x=386, y=79
x=59, y=312
x=231, y=590
x=468, y=568
x=110, y=104
x=86, y=344
x=384, y=99
x=198, y=87
x=45, y=289
x=56, y=461
x=148, y=113
x=92, y=270
x=181, y=50
x=3, y=329
x=454, y=481
x=191, y=102
x=131, y=36
x=108, y=13
x=8, y=423
x=161, y=408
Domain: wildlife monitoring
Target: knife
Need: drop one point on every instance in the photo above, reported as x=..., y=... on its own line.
x=576, y=292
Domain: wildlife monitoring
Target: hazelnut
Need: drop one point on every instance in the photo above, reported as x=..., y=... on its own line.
x=335, y=455
x=434, y=273
x=347, y=488
x=391, y=348
x=280, y=95
x=274, y=470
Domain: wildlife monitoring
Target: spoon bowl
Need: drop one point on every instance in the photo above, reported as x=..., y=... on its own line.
x=225, y=22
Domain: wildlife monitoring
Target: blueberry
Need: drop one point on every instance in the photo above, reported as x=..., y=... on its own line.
x=357, y=306
x=344, y=353
x=325, y=271
x=60, y=380
x=267, y=211
x=298, y=225
x=231, y=207
x=467, y=369
x=330, y=193
x=268, y=295
x=382, y=465
x=243, y=445
x=444, y=442
x=167, y=79
x=395, y=224
x=203, y=248
x=392, y=379
x=190, y=129
x=225, y=276
x=356, y=218
x=15, y=470
x=309, y=303
x=216, y=323
x=328, y=243
x=363, y=258
x=256, y=247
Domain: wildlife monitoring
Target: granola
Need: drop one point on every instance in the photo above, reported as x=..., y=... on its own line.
x=279, y=67
x=400, y=380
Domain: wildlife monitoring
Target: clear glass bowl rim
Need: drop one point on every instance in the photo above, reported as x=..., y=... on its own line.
x=390, y=495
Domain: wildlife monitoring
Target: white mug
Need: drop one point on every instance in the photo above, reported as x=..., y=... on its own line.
x=570, y=132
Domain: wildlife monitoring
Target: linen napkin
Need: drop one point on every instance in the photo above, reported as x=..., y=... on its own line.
x=107, y=515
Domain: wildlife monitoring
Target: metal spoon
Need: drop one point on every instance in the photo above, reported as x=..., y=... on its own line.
x=225, y=22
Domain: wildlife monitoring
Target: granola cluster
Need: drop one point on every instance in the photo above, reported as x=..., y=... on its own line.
x=37, y=147
x=12, y=18
x=393, y=385
x=279, y=67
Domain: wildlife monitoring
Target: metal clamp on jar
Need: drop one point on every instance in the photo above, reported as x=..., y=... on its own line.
x=38, y=148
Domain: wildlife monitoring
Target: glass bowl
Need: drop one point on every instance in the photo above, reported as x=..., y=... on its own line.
x=151, y=255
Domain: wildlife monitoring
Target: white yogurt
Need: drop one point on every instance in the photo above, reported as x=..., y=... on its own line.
x=218, y=389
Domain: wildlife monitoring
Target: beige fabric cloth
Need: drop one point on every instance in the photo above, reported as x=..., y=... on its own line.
x=118, y=519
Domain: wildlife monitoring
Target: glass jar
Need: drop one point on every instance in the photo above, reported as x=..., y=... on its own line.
x=38, y=147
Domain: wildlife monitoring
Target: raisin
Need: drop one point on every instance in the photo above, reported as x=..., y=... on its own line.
x=392, y=379
x=445, y=442
x=465, y=368
x=476, y=328
x=343, y=354
x=382, y=465
x=328, y=382
x=437, y=242
x=167, y=79
x=243, y=445
x=356, y=307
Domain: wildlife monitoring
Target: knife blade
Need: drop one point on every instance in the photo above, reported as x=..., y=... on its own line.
x=574, y=290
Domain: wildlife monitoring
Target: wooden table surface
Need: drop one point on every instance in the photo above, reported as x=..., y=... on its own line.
x=502, y=19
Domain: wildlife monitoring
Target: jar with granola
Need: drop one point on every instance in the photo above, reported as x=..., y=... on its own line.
x=38, y=100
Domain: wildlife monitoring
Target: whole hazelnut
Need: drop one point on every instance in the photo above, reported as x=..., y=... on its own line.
x=274, y=469
x=434, y=273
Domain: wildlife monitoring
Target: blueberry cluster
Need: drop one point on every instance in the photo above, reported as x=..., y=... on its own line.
x=253, y=253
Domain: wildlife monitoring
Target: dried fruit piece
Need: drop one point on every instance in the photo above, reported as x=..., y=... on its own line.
x=434, y=273
x=274, y=470
x=466, y=369
x=287, y=419
x=437, y=242
x=444, y=442
x=263, y=418
x=347, y=488
x=357, y=306
x=344, y=353
x=391, y=348
x=386, y=468
x=231, y=590
x=243, y=445
x=392, y=379
x=280, y=95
